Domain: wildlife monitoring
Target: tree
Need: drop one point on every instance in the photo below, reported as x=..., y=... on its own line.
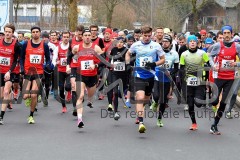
x=72, y=14
x=110, y=5
x=55, y=3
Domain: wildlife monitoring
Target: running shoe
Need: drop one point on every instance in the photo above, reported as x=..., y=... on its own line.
x=64, y=109
x=214, y=130
x=128, y=104
x=69, y=96
x=193, y=127
x=186, y=107
x=31, y=120
x=28, y=102
x=229, y=115
x=1, y=121
x=80, y=123
x=159, y=123
x=141, y=128
x=74, y=112
x=154, y=107
x=110, y=108
x=9, y=106
x=116, y=116
x=101, y=96
x=90, y=105
x=137, y=121
x=39, y=99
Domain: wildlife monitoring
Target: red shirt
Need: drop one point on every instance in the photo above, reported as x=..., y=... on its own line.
x=6, y=56
x=74, y=63
x=62, y=56
x=85, y=59
x=225, y=56
x=34, y=58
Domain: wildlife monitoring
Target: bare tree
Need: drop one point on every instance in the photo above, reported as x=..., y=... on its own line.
x=72, y=14
x=110, y=5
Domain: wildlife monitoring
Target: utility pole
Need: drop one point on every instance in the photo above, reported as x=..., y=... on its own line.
x=11, y=11
x=151, y=1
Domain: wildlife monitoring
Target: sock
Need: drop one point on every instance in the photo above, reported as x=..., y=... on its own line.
x=2, y=114
x=31, y=113
x=79, y=116
x=128, y=100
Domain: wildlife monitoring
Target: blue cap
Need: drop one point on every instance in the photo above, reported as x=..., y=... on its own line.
x=209, y=41
x=192, y=38
x=227, y=27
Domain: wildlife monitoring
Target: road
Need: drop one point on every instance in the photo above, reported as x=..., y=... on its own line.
x=56, y=136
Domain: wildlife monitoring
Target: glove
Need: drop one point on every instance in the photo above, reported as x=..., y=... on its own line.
x=128, y=67
x=150, y=65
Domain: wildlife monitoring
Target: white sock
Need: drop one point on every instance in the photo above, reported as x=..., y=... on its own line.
x=128, y=100
x=79, y=116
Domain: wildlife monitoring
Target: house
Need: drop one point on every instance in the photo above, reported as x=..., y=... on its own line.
x=30, y=14
x=214, y=14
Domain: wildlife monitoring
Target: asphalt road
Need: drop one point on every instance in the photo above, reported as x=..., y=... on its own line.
x=56, y=135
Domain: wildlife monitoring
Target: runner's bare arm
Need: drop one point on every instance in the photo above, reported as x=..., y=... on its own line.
x=128, y=57
x=75, y=49
x=98, y=49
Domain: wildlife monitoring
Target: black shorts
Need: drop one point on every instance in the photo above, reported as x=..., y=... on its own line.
x=2, y=81
x=145, y=85
x=89, y=81
x=73, y=73
x=16, y=78
x=33, y=77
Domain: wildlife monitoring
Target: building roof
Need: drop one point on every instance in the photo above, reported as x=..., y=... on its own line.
x=228, y=3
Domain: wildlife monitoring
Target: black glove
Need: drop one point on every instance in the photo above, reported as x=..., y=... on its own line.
x=128, y=67
x=150, y=65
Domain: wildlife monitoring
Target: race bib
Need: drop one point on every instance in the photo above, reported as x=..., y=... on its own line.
x=35, y=59
x=226, y=63
x=119, y=66
x=192, y=81
x=63, y=61
x=144, y=60
x=4, y=61
x=86, y=64
x=167, y=64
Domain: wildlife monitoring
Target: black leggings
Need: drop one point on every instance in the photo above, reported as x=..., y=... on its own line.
x=64, y=80
x=224, y=86
x=190, y=93
x=112, y=77
x=160, y=93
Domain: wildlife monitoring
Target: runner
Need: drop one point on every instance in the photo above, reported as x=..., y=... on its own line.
x=225, y=53
x=9, y=53
x=119, y=72
x=60, y=59
x=87, y=76
x=162, y=83
x=32, y=58
x=190, y=61
x=72, y=65
x=147, y=52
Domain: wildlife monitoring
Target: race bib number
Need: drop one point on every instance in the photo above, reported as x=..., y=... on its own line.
x=144, y=60
x=63, y=61
x=5, y=61
x=226, y=63
x=167, y=64
x=192, y=81
x=119, y=66
x=86, y=64
x=35, y=59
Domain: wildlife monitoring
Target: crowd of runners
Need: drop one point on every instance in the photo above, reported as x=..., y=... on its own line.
x=145, y=67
